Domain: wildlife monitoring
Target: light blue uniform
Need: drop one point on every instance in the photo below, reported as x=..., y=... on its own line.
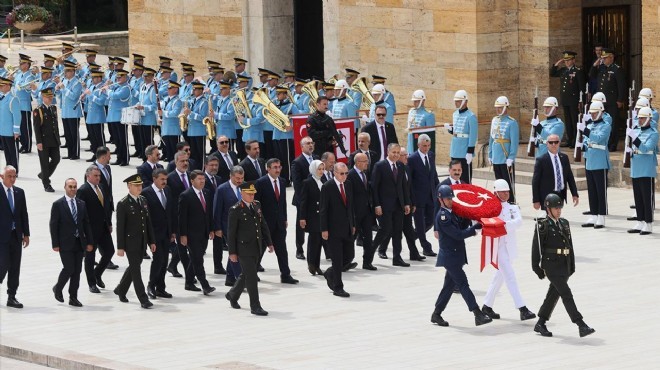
x=389, y=99
x=136, y=84
x=70, y=98
x=421, y=118
x=390, y=112
x=597, y=154
x=464, y=133
x=287, y=108
x=302, y=102
x=173, y=76
x=147, y=99
x=3, y=72
x=118, y=98
x=503, y=141
x=21, y=79
x=225, y=118
x=10, y=115
x=198, y=110
x=95, y=103
x=645, y=149
x=36, y=94
x=344, y=107
x=59, y=69
x=257, y=122
x=185, y=91
x=172, y=107
x=549, y=126
x=356, y=96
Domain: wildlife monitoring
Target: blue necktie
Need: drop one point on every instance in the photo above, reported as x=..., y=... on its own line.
x=558, y=181
x=74, y=213
x=10, y=198
x=238, y=193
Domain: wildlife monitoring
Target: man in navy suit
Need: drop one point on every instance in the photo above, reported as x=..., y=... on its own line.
x=146, y=168
x=363, y=142
x=381, y=133
x=545, y=179
x=391, y=202
x=178, y=181
x=227, y=195
x=271, y=193
x=423, y=183
x=252, y=164
x=14, y=233
x=299, y=173
x=227, y=158
x=363, y=207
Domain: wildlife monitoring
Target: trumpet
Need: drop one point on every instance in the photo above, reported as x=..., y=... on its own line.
x=25, y=85
x=74, y=50
x=183, y=118
x=209, y=121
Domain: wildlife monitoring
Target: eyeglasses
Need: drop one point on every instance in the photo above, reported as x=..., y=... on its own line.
x=380, y=115
x=341, y=173
x=223, y=142
x=553, y=142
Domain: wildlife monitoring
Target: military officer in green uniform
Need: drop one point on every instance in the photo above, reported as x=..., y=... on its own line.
x=572, y=83
x=552, y=256
x=611, y=81
x=134, y=233
x=47, y=135
x=247, y=231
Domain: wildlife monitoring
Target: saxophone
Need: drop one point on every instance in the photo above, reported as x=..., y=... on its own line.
x=209, y=121
x=183, y=119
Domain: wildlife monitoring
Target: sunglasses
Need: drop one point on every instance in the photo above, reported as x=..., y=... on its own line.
x=223, y=142
x=380, y=115
x=553, y=142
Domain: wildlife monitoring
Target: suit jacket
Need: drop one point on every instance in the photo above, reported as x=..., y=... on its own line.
x=172, y=166
x=63, y=227
x=100, y=215
x=107, y=183
x=274, y=211
x=251, y=173
x=145, y=170
x=387, y=190
x=194, y=221
x=423, y=181
x=176, y=188
x=134, y=230
x=372, y=157
x=208, y=185
x=223, y=169
x=299, y=173
x=436, y=203
x=363, y=202
x=246, y=230
x=310, y=198
x=543, y=180
x=162, y=218
x=225, y=197
x=19, y=217
x=372, y=129
x=336, y=218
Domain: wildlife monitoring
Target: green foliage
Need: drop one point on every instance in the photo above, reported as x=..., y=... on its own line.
x=28, y=13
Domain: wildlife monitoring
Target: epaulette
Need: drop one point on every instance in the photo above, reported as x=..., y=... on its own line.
x=256, y=202
x=443, y=215
x=542, y=224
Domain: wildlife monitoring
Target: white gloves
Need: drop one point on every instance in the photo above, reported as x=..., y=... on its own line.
x=632, y=133
x=634, y=114
x=509, y=162
x=449, y=128
x=364, y=119
x=468, y=158
x=581, y=125
x=535, y=121
x=490, y=161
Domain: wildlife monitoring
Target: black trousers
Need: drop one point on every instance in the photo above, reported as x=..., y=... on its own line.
x=643, y=194
x=195, y=267
x=239, y=145
x=455, y=277
x=10, y=263
x=103, y=243
x=342, y=253
x=410, y=235
x=49, y=158
x=267, y=148
x=120, y=134
x=26, y=131
x=10, y=147
x=133, y=274
x=179, y=254
x=72, y=136
x=570, y=122
x=233, y=268
x=509, y=175
x=391, y=226
x=364, y=227
x=247, y=279
x=597, y=190
x=284, y=151
x=197, y=144
x=300, y=233
x=158, y=268
x=466, y=174
x=71, y=269
x=423, y=217
x=146, y=134
x=314, y=249
x=137, y=139
x=278, y=236
x=170, y=147
x=96, y=137
x=559, y=288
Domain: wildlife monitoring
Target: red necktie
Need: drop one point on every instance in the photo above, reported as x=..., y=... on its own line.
x=343, y=195
x=201, y=198
x=277, y=191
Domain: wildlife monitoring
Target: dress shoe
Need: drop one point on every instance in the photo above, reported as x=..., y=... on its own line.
x=489, y=311
x=341, y=293
x=151, y=292
x=418, y=258
x=230, y=282
x=123, y=164
x=369, y=267
x=112, y=266
x=12, y=302
x=312, y=269
x=146, y=304
x=456, y=290
x=62, y=146
x=328, y=278
x=100, y=282
x=74, y=302
x=429, y=253
x=85, y=139
x=590, y=221
x=163, y=294
x=585, y=330
x=58, y=295
x=382, y=255
x=319, y=271
x=526, y=314
x=192, y=288
x=74, y=158
x=259, y=312
x=39, y=175
x=260, y=268
x=633, y=218
x=300, y=255
x=49, y=189
x=586, y=212
x=94, y=289
x=288, y=280
x=67, y=157
x=437, y=319
x=637, y=229
x=541, y=329
x=135, y=155
x=349, y=266
x=359, y=242
x=400, y=263
x=481, y=318
x=208, y=290
x=122, y=297
x=220, y=271
x=174, y=272
x=632, y=206
x=234, y=303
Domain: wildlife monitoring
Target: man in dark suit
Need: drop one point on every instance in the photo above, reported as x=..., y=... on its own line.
x=381, y=134
x=271, y=194
x=423, y=184
x=95, y=196
x=227, y=195
x=178, y=181
x=338, y=226
x=391, y=202
x=253, y=165
x=14, y=233
x=103, y=157
x=408, y=229
x=300, y=172
x=364, y=141
x=71, y=235
x=182, y=147
x=134, y=233
x=545, y=179
x=227, y=159
x=455, y=173
x=363, y=207
x=246, y=232
x=211, y=184
x=161, y=211
x=195, y=230
x=146, y=168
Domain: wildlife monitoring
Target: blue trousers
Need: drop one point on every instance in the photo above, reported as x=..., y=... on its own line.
x=455, y=276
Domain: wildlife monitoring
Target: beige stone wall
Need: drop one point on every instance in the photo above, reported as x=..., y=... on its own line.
x=651, y=44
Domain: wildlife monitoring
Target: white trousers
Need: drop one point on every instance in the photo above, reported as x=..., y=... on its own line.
x=504, y=274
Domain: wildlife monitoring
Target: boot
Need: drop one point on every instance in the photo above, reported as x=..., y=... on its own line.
x=590, y=222
x=647, y=229
x=600, y=222
x=480, y=318
x=489, y=311
x=584, y=329
x=437, y=319
x=526, y=314
x=638, y=227
x=541, y=329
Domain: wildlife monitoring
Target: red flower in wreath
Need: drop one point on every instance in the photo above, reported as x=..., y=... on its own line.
x=474, y=202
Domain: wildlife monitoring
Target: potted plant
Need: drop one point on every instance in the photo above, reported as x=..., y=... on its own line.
x=28, y=17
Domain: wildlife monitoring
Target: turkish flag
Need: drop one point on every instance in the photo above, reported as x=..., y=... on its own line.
x=474, y=202
x=493, y=228
x=345, y=126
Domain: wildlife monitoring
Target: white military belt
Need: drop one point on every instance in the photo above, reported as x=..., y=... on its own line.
x=462, y=136
x=646, y=153
x=597, y=146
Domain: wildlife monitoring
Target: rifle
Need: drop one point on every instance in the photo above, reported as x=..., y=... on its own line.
x=337, y=136
x=577, y=152
x=627, y=153
x=531, y=146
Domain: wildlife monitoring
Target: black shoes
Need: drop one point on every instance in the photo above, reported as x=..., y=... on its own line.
x=259, y=312
x=12, y=302
x=146, y=304
x=234, y=303
x=429, y=253
x=174, y=272
x=437, y=319
x=585, y=329
x=74, y=302
x=418, y=258
x=208, y=290
x=220, y=271
x=94, y=289
x=311, y=269
x=100, y=282
x=260, y=268
x=163, y=294
x=319, y=271
x=634, y=218
x=489, y=311
x=586, y=212
x=230, y=282
x=49, y=189
x=369, y=267
x=526, y=314
x=399, y=262
x=112, y=266
x=541, y=329
x=192, y=288
x=480, y=318
x=349, y=266
x=288, y=280
x=382, y=255
x=151, y=292
x=341, y=293
x=58, y=295
x=122, y=297
x=300, y=255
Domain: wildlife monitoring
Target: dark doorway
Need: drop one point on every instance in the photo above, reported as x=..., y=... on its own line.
x=308, y=38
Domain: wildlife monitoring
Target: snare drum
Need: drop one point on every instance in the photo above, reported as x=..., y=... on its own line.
x=130, y=116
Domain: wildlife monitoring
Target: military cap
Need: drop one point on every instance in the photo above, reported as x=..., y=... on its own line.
x=6, y=81
x=45, y=69
x=328, y=86
x=164, y=69
x=351, y=72
x=94, y=66
x=89, y=52
x=3, y=58
x=300, y=81
x=272, y=75
x=138, y=66
x=134, y=179
x=224, y=84
x=239, y=61
x=281, y=88
x=262, y=71
x=241, y=78
x=66, y=45
x=137, y=56
x=173, y=84
x=289, y=73
x=96, y=74
x=568, y=55
x=607, y=52
x=248, y=188
x=212, y=63
x=121, y=72
x=149, y=71
x=197, y=85
x=187, y=65
x=217, y=69
x=119, y=60
x=49, y=57
x=69, y=65
x=22, y=58
x=378, y=79
x=47, y=91
x=111, y=59
x=188, y=71
x=164, y=59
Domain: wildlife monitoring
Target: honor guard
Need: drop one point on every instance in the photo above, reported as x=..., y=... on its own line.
x=599, y=96
x=119, y=94
x=289, y=79
x=46, y=82
x=110, y=72
x=550, y=126
x=197, y=109
x=47, y=135
x=171, y=106
x=643, y=169
x=239, y=68
x=213, y=84
x=138, y=59
x=418, y=116
x=167, y=63
x=503, y=144
x=211, y=66
x=148, y=107
x=553, y=257
x=22, y=81
x=95, y=101
x=3, y=70
x=378, y=92
x=67, y=56
x=69, y=90
x=463, y=129
x=389, y=97
x=344, y=106
x=10, y=122
x=597, y=163
x=90, y=58
x=611, y=82
x=283, y=140
x=648, y=94
x=572, y=83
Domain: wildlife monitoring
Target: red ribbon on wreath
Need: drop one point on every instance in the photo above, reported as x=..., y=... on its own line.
x=493, y=228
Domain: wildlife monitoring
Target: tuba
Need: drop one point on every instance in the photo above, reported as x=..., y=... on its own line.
x=183, y=119
x=271, y=112
x=311, y=89
x=241, y=107
x=209, y=121
x=360, y=85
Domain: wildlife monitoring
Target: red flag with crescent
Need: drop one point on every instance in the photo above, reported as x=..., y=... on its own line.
x=345, y=126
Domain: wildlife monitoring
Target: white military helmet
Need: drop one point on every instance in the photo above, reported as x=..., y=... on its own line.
x=502, y=101
x=642, y=102
x=597, y=107
x=462, y=96
x=418, y=95
x=599, y=96
x=644, y=115
x=378, y=89
x=341, y=85
x=501, y=185
x=551, y=102
x=646, y=93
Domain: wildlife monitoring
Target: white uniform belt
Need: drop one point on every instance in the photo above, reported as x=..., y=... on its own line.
x=462, y=136
x=597, y=146
x=646, y=153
